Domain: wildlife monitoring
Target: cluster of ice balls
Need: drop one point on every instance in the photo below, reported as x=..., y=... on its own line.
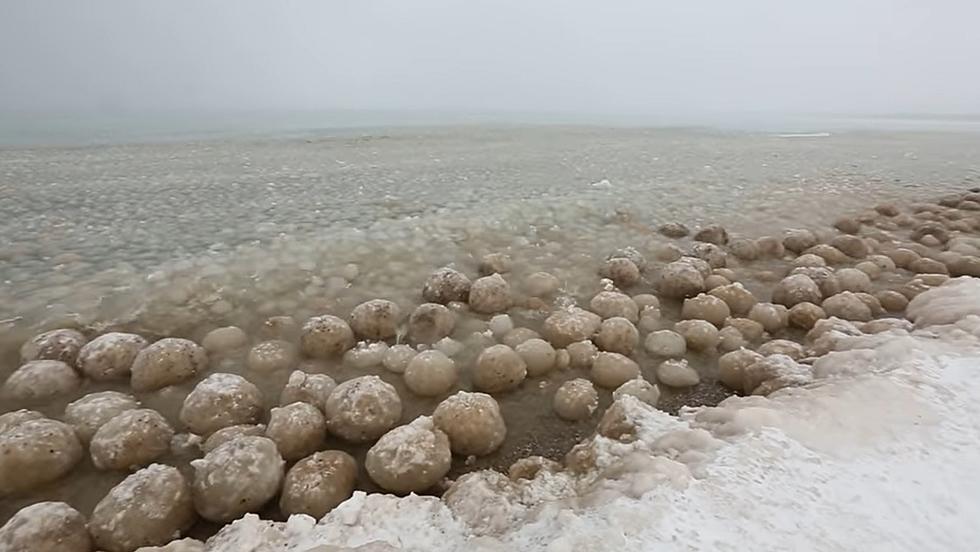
x=612, y=340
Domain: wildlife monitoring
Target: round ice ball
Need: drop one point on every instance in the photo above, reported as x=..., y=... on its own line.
x=738, y=299
x=495, y=263
x=362, y=409
x=699, y=335
x=498, y=368
x=892, y=301
x=229, y=433
x=224, y=340
x=397, y=357
x=623, y=272
x=309, y=388
x=298, y=429
x=772, y=317
x=799, y=240
x=34, y=450
x=575, y=400
x=732, y=366
x=852, y=279
x=794, y=289
x=87, y=414
x=238, y=477
x=748, y=328
x=47, y=527
x=325, y=337
x=149, y=508
x=473, y=423
x=706, y=307
x=517, y=336
x=430, y=322
x=446, y=285
x=410, y=458
x=805, y=315
x=490, y=294
x=782, y=347
x=848, y=306
x=677, y=373
x=610, y=370
x=40, y=381
x=617, y=335
x=318, y=483
x=110, y=356
x=611, y=304
x=541, y=284
x=567, y=326
x=63, y=345
x=131, y=439
x=366, y=355
x=375, y=319
x=730, y=339
x=431, y=373
x=581, y=354
x=221, y=400
x=167, y=362
x=271, y=356
x=680, y=279
x=665, y=343
x=639, y=388
x=538, y=355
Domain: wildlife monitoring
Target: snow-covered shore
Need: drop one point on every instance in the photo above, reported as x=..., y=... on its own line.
x=878, y=453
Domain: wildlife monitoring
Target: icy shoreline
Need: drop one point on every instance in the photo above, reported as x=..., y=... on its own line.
x=879, y=454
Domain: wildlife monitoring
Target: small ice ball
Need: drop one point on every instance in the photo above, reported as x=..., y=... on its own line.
x=581, y=354
x=87, y=414
x=498, y=368
x=238, y=477
x=473, y=423
x=517, y=336
x=375, y=319
x=325, y=337
x=852, y=279
x=706, y=307
x=446, y=285
x=272, y=356
x=617, y=335
x=650, y=319
x=34, y=450
x=430, y=322
x=677, y=373
x=809, y=260
x=48, y=527
x=541, y=284
x=623, y=272
x=612, y=304
x=318, y=483
x=40, y=381
x=567, y=326
x=700, y=335
x=309, y=388
x=221, y=400
x=799, y=240
x=610, y=370
x=63, y=345
x=730, y=339
x=772, y=317
x=490, y=294
x=449, y=346
x=430, y=374
x=397, y=358
x=131, y=439
x=538, y=355
x=782, y=347
x=167, y=362
x=298, y=429
x=149, y=508
x=366, y=355
x=665, y=343
x=796, y=288
x=892, y=301
x=495, y=263
x=362, y=409
x=848, y=306
x=500, y=325
x=639, y=388
x=732, y=366
x=224, y=340
x=645, y=300
x=680, y=279
x=229, y=433
x=410, y=458
x=750, y=329
x=110, y=356
x=805, y=315
x=575, y=400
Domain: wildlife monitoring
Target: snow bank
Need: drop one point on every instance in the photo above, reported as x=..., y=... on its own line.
x=879, y=452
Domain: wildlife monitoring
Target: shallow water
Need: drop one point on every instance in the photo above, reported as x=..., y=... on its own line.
x=177, y=239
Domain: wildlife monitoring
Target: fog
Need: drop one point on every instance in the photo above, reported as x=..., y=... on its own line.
x=642, y=56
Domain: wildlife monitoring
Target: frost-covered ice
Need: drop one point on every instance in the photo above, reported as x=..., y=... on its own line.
x=877, y=454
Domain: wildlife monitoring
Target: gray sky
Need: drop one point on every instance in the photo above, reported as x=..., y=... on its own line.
x=601, y=56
